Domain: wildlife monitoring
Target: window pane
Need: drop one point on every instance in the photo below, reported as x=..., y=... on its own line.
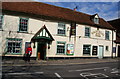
x=1, y=18
x=14, y=46
x=107, y=48
x=60, y=48
x=23, y=25
x=86, y=49
x=61, y=28
x=96, y=20
x=87, y=32
x=107, y=35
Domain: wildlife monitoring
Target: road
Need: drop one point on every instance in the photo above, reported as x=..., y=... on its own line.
x=73, y=71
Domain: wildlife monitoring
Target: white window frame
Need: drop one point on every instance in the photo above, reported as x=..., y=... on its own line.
x=22, y=25
x=61, y=27
x=64, y=50
x=87, y=34
x=14, y=45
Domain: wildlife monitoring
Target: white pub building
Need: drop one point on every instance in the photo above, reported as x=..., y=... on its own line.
x=53, y=32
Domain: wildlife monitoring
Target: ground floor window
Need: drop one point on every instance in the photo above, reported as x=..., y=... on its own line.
x=60, y=47
x=107, y=48
x=14, y=45
x=86, y=49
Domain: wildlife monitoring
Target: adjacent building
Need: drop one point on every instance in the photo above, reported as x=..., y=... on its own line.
x=116, y=24
x=54, y=32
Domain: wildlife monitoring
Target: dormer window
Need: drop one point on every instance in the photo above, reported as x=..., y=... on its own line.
x=95, y=18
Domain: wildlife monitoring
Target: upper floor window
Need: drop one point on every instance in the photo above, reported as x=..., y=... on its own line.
x=14, y=45
x=107, y=35
x=1, y=21
x=87, y=32
x=23, y=25
x=61, y=28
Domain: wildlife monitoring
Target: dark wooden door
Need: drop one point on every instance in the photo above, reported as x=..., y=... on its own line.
x=42, y=50
x=118, y=51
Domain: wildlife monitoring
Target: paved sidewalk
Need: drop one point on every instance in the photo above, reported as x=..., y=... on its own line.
x=59, y=62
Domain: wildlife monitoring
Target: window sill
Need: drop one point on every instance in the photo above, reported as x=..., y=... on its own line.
x=87, y=37
x=13, y=53
x=60, y=54
x=22, y=31
x=107, y=39
x=86, y=55
x=61, y=35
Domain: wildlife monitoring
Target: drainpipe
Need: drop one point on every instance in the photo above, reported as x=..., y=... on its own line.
x=112, y=45
x=116, y=50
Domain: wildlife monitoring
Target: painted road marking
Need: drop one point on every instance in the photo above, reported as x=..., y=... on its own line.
x=24, y=73
x=39, y=72
x=117, y=74
x=89, y=69
x=115, y=71
x=58, y=76
x=93, y=76
x=18, y=73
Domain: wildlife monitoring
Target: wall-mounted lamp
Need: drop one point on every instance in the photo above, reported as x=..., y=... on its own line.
x=49, y=43
x=79, y=36
x=48, y=46
x=67, y=28
x=34, y=45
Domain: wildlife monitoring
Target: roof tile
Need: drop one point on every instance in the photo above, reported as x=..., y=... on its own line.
x=39, y=8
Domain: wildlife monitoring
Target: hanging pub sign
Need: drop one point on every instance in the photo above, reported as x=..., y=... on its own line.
x=73, y=29
x=70, y=49
x=94, y=51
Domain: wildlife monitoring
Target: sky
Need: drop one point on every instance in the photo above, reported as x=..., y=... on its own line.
x=107, y=9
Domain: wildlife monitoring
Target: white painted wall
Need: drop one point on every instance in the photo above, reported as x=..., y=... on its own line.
x=11, y=23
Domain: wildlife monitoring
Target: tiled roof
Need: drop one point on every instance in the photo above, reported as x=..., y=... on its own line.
x=118, y=39
x=38, y=8
x=116, y=24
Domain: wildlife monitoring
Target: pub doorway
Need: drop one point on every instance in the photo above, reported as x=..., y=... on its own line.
x=43, y=38
x=41, y=50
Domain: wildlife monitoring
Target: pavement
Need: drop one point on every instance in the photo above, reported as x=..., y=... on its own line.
x=59, y=62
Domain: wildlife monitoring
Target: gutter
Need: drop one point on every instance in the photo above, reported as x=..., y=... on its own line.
x=112, y=45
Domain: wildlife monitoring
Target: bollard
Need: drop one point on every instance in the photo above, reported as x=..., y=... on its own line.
x=38, y=55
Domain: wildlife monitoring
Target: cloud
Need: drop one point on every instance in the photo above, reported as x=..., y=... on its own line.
x=106, y=10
